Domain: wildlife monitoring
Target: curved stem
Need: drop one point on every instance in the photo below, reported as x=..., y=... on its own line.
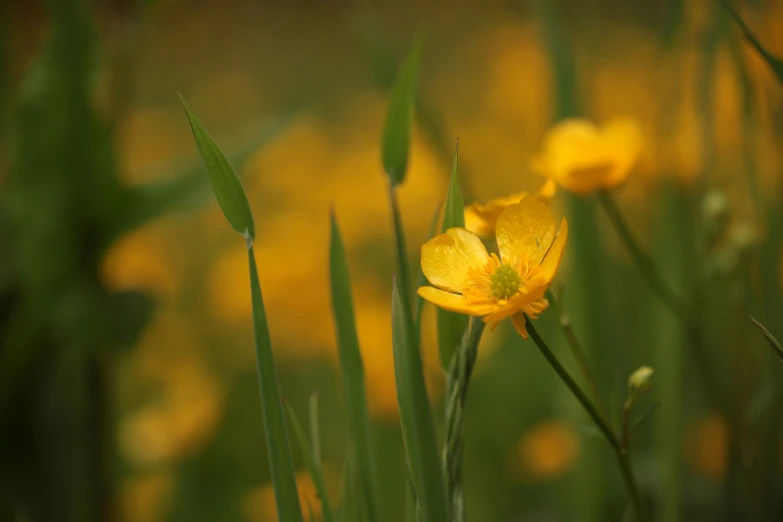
x=620, y=447
x=457, y=380
x=669, y=298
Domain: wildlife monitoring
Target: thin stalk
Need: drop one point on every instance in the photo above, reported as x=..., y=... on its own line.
x=460, y=370
x=645, y=265
x=619, y=447
x=579, y=353
x=677, y=305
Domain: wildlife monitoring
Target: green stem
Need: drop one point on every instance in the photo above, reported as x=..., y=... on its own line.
x=670, y=299
x=401, y=251
x=618, y=446
x=579, y=353
x=460, y=370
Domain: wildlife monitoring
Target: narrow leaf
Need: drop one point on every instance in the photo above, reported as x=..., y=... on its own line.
x=415, y=416
x=225, y=182
x=396, y=138
x=775, y=63
x=312, y=465
x=352, y=373
x=315, y=432
x=770, y=339
x=451, y=326
x=277, y=443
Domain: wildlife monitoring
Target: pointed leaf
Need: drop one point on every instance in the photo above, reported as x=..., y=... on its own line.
x=277, y=443
x=451, y=326
x=312, y=465
x=415, y=416
x=770, y=339
x=352, y=373
x=396, y=138
x=225, y=182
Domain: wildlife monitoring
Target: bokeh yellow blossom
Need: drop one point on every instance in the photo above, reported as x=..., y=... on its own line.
x=548, y=450
x=583, y=158
x=259, y=504
x=148, y=496
x=481, y=219
x=469, y=280
x=706, y=446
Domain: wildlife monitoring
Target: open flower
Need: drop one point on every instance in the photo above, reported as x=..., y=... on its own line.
x=584, y=158
x=469, y=280
x=480, y=219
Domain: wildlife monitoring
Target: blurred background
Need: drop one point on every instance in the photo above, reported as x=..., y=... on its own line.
x=127, y=375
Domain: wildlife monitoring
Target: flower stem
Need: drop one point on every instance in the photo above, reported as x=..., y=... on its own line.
x=578, y=352
x=457, y=381
x=619, y=446
x=645, y=265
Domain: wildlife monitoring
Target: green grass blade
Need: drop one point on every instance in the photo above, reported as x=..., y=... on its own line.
x=315, y=432
x=775, y=63
x=277, y=444
x=225, y=182
x=451, y=325
x=352, y=372
x=415, y=416
x=770, y=339
x=396, y=138
x=401, y=253
x=312, y=464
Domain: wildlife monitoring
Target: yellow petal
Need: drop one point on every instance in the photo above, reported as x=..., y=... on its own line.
x=480, y=219
x=518, y=320
x=552, y=260
x=525, y=231
x=446, y=259
x=622, y=138
x=453, y=302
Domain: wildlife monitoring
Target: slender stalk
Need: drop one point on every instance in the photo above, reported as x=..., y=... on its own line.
x=457, y=380
x=578, y=352
x=645, y=265
x=619, y=446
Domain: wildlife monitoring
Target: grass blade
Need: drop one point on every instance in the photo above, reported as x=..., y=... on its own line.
x=770, y=339
x=396, y=138
x=277, y=444
x=312, y=464
x=775, y=63
x=225, y=182
x=415, y=416
x=451, y=326
x=352, y=373
x=315, y=432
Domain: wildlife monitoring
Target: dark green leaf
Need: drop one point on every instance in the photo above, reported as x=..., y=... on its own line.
x=315, y=431
x=277, y=443
x=225, y=182
x=131, y=312
x=451, y=326
x=770, y=339
x=352, y=372
x=395, y=142
x=312, y=465
x=415, y=416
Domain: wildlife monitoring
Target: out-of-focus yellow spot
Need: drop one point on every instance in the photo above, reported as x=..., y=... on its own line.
x=180, y=421
x=259, y=504
x=706, y=446
x=548, y=450
x=140, y=261
x=147, y=497
x=228, y=287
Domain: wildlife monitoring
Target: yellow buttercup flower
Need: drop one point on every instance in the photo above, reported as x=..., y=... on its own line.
x=469, y=280
x=480, y=219
x=583, y=158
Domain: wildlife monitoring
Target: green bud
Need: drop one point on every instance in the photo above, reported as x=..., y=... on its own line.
x=640, y=381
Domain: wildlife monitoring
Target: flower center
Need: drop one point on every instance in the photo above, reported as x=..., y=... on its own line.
x=505, y=282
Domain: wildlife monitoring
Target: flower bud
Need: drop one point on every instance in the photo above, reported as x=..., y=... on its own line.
x=640, y=381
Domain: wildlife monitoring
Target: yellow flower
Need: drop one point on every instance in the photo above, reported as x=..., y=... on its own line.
x=480, y=219
x=584, y=158
x=469, y=280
